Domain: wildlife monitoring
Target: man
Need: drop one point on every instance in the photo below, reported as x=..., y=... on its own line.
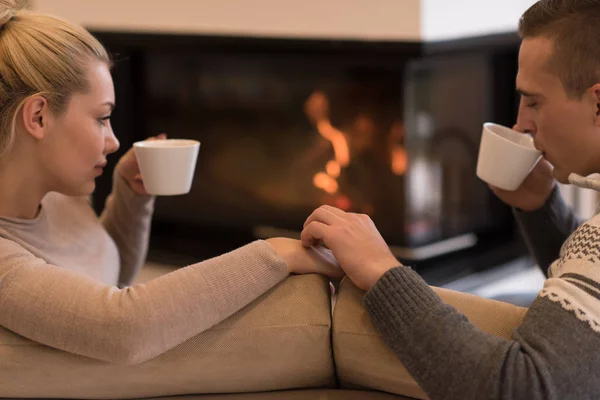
x=554, y=353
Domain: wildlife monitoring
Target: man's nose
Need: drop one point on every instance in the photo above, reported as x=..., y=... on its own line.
x=525, y=122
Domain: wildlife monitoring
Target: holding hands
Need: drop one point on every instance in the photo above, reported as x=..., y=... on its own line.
x=302, y=260
x=353, y=240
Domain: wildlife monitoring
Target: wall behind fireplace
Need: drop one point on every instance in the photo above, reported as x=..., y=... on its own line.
x=336, y=19
x=409, y=20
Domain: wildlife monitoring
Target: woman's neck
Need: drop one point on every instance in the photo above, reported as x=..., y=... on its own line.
x=20, y=190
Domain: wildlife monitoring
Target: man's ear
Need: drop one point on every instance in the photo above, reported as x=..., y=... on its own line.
x=596, y=100
x=34, y=114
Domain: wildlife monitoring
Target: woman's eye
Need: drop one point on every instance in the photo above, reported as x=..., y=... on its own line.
x=104, y=120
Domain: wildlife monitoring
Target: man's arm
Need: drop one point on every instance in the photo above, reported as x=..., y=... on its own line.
x=546, y=229
x=551, y=356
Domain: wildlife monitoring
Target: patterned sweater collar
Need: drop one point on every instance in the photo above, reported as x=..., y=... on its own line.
x=587, y=182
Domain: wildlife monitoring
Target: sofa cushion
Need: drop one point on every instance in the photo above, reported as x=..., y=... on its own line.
x=298, y=395
x=280, y=341
x=363, y=360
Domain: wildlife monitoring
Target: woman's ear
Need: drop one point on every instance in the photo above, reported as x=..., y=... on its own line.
x=34, y=114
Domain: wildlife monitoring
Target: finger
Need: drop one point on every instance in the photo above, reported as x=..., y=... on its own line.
x=321, y=244
x=313, y=233
x=139, y=188
x=334, y=210
x=324, y=254
x=497, y=190
x=332, y=271
x=326, y=263
x=162, y=136
x=360, y=217
x=325, y=214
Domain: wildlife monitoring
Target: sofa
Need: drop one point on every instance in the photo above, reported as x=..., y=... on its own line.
x=287, y=344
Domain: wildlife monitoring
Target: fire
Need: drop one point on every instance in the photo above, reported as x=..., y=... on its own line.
x=317, y=109
x=333, y=168
x=338, y=141
x=399, y=161
x=398, y=153
x=325, y=182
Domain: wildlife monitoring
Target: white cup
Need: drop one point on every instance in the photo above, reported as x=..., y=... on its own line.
x=167, y=166
x=506, y=156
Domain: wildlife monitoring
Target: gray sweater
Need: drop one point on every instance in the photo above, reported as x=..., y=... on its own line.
x=552, y=355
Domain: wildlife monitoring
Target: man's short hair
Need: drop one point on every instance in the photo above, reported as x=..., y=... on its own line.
x=573, y=26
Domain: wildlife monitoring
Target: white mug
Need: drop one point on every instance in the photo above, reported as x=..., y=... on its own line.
x=167, y=166
x=506, y=157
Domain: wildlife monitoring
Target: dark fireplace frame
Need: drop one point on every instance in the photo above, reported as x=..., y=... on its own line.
x=183, y=244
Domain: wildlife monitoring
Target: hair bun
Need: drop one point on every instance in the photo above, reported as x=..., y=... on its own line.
x=8, y=9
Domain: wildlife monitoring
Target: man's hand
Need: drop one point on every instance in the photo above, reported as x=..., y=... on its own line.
x=354, y=241
x=533, y=192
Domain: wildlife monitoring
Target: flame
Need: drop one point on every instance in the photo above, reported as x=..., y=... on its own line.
x=338, y=141
x=333, y=169
x=398, y=153
x=317, y=109
x=325, y=182
x=399, y=161
x=343, y=203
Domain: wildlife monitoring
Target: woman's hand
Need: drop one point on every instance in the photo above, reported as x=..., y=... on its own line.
x=354, y=241
x=129, y=169
x=302, y=260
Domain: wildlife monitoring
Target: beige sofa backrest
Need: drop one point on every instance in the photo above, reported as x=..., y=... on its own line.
x=280, y=341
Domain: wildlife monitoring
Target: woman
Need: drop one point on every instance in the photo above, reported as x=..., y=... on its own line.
x=64, y=273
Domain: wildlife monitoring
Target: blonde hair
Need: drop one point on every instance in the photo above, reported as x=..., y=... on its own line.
x=40, y=55
x=574, y=28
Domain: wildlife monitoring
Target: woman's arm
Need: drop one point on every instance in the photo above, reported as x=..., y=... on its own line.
x=127, y=218
x=74, y=313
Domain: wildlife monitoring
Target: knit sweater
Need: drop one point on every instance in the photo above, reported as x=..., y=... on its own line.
x=554, y=353
x=65, y=276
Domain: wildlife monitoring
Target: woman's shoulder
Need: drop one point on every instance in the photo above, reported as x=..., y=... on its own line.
x=60, y=218
x=13, y=253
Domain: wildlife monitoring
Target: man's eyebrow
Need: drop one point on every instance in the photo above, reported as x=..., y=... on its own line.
x=525, y=93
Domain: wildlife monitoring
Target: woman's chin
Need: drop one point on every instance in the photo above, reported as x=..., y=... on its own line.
x=79, y=190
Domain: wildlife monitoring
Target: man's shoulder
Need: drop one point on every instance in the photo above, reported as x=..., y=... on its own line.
x=575, y=276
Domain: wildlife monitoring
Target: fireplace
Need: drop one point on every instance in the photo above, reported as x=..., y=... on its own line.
x=289, y=125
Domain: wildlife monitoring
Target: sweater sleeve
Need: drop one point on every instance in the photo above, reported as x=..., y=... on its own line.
x=552, y=355
x=127, y=218
x=77, y=314
x=546, y=229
